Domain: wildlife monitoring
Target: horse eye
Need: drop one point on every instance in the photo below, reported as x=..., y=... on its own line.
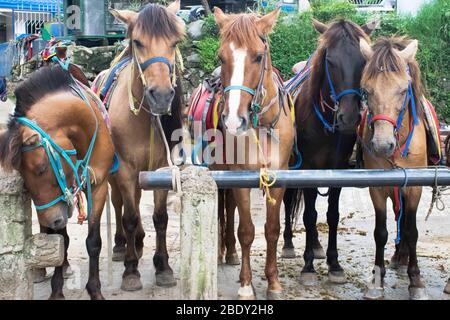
x=138, y=43
x=403, y=92
x=259, y=58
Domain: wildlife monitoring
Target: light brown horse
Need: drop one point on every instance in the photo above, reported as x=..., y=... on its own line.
x=154, y=33
x=253, y=104
x=47, y=98
x=392, y=82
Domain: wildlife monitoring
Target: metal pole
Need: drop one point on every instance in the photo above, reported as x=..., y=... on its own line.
x=312, y=178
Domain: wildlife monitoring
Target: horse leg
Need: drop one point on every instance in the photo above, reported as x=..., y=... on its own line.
x=375, y=289
x=399, y=260
x=120, y=241
x=246, y=235
x=140, y=233
x=335, y=271
x=288, y=250
x=416, y=288
x=131, y=278
x=222, y=226
x=164, y=273
x=57, y=281
x=272, y=233
x=308, y=276
x=231, y=257
x=94, y=241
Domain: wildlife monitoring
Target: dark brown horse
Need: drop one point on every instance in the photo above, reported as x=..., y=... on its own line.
x=145, y=90
x=48, y=111
x=394, y=136
x=328, y=110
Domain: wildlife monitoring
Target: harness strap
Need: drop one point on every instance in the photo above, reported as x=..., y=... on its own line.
x=154, y=60
x=241, y=88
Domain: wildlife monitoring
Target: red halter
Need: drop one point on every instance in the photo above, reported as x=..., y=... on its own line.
x=385, y=118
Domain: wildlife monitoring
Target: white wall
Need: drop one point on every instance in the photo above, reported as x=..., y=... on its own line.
x=410, y=6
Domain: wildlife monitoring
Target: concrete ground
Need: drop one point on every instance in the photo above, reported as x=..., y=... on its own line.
x=355, y=243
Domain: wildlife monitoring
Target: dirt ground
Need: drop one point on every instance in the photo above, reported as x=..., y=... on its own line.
x=355, y=243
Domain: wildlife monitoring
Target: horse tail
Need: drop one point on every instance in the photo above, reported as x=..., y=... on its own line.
x=294, y=204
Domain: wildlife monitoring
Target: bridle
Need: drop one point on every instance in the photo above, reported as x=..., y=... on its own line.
x=398, y=123
x=335, y=97
x=259, y=94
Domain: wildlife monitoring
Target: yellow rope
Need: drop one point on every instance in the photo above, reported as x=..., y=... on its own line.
x=267, y=178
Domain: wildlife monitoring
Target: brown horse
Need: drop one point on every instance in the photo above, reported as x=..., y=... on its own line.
x=255, y=109
x=394, y=136
x=47, y=100
x=154, y=33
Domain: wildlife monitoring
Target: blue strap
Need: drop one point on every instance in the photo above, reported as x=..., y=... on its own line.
x=400, y=215
x=347, y=92
x=241, y=88
x=151, y=61
x=325, y=123
x=64, y=65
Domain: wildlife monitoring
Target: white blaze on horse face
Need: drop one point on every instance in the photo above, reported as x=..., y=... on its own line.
x=233, y=121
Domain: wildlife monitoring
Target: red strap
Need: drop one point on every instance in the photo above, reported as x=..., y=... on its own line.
x=363, y=123
x=385, y=118
x=396, y=203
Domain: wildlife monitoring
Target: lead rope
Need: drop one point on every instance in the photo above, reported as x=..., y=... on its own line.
x=176, y=174
x=436, y=199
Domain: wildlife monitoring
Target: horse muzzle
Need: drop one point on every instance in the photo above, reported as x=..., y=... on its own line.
x=160, y=100
x=55, y=217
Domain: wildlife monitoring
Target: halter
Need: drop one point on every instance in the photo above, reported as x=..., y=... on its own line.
x=80, y=168
x=398, y=123
x=256, y=108
x=335, y=97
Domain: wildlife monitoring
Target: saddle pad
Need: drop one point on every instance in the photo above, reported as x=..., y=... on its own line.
x=203, y=108
x=433, y=132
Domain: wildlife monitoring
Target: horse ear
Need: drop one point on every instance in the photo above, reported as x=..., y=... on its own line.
x=409, y=53
x=365, y=48
x=221, y=17
x=126, y=16
x=174, y=7
x=370, y=26
x=319, y=26
x=267, y=22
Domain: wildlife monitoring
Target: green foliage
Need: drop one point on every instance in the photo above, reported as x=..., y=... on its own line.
x=207, y=48
x=294, y=39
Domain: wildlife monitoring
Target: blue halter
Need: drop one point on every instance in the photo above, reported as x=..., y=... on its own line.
x=334, y=96
x=154, y=60
x=240, y=88
x=54, y=152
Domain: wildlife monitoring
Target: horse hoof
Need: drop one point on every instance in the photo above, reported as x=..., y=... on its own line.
x=67, y=272
x=337, y=277
x=374, y=293
x=402, y=271
x=233, y=260
x=131, y=282
x=309, y=279
x=246, y=293
x=119, y=254
x=58, y=296
x=418, y=293
x=288, y=253
x=447, y=288
x=319, y=253
x=97, y=296
x=39, y=275
x=274, y=295
x=165, y=280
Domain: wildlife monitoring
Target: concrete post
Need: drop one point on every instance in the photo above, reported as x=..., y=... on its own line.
x=447, y=287
x=20, y=251
x=199, y=235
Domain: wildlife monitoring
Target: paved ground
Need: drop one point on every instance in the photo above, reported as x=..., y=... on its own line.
x=355, y=243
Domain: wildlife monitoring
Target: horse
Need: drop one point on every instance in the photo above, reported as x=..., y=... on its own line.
x=447, y=154
x=394, y=136
x=327, y=107
x=254, y=108
x=60, y=144
x=145, y=93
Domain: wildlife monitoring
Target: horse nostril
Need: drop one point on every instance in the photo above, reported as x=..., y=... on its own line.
x=244, y=123
x=58, y=223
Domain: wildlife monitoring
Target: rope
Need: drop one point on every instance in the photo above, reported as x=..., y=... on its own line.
x=436, y=199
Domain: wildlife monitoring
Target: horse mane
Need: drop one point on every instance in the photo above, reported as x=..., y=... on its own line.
x=386, y=59
x=155, y=21
x=337, y=31
x=45, y=81
x=241, y=29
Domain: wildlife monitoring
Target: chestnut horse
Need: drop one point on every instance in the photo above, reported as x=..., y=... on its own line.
x=394, y=136
x=328, y=108
x=56, y=129
x=255, y=109
x=145, y=91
